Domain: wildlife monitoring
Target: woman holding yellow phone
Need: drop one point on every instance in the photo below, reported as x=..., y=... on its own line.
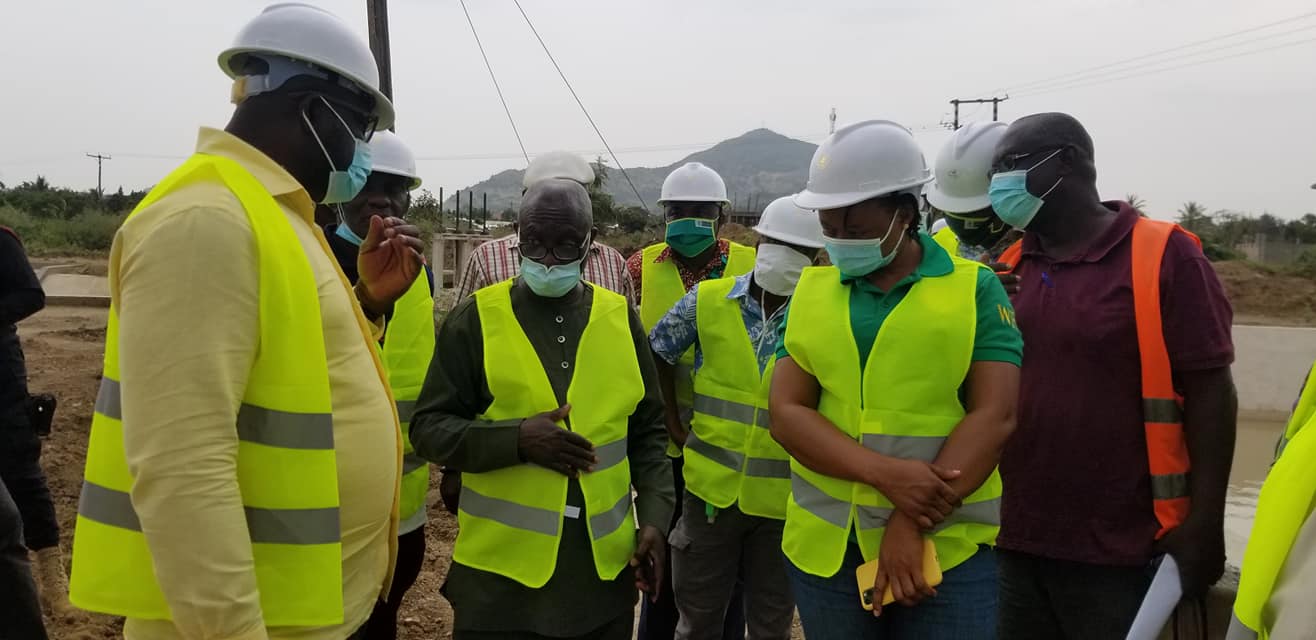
x=895, y=389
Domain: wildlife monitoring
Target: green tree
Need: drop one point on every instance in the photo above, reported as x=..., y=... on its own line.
x=1193, y=217
x=1137, y=203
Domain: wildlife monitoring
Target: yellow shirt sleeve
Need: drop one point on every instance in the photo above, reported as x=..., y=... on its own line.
x=187, y=299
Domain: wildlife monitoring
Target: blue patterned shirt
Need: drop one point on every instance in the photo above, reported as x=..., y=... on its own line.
x=678, y=331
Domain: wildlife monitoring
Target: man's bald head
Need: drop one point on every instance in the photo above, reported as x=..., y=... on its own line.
x=556, y=213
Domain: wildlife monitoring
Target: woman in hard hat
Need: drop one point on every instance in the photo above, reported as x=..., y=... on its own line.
x=894, y=391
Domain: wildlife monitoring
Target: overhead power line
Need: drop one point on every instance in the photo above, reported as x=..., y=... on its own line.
x=497, y=88
x=1083, y=77
x=581, y=104
x=1148, y=72
x=1073, y=75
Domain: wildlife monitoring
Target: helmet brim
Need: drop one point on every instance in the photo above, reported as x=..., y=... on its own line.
x=957, y=204
x=788, y=238
x=820, y=201
x=383, y=108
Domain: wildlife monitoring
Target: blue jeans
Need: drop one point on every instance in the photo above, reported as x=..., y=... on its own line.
x=964, y=608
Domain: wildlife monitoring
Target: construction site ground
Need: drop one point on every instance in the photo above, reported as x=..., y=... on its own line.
x=64, y=348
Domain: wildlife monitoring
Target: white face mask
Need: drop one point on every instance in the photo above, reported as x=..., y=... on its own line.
x=777, y=268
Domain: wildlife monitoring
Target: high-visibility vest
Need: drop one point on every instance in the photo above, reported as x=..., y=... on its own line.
x=904, y=402
x=730, y=456
x=408, y=348
x=510, y=520
x=1162, y=407
x=286, y=463
x=1283, y=508
x=661, y=288
x=948, y=241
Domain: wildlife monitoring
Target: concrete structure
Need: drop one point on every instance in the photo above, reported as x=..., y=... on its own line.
x=448, y=255
x=1265, y=250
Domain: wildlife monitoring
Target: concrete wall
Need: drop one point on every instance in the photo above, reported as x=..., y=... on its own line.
x=1270, y=367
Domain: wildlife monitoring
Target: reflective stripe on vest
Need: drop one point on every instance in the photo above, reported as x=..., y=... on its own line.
x=1284, y=506
x=731, y=457
x=286, y=463
x=407, y=350
x=931, y=330
x=661, y=288
x=510, y=520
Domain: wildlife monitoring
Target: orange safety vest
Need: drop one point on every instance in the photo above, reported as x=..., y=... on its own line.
x=1162, y=407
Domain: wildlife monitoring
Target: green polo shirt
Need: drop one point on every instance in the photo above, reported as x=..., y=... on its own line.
x=997, y=338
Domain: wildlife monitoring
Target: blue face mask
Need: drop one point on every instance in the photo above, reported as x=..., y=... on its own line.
x=345, y=232
x=343, y=184
x=551, y=282
x=857, y=258
x=1012, y=201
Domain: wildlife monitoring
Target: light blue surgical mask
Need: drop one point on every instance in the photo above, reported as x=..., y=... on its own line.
x=343, y=184
x=551, y=282
x=859, y=257
x=345, y=232
x=1012, y=201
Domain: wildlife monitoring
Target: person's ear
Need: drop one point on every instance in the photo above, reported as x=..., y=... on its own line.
x=722, y=217
x=1067, y=161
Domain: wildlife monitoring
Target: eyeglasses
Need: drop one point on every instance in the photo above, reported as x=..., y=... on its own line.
x=361, y=124
x=679, y=210
x=1011, y=162
x=563, y=252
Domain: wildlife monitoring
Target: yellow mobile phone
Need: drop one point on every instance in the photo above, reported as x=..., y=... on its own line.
x=866, y=574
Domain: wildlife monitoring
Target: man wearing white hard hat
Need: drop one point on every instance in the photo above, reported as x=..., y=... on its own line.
x=894, y=391
x=962, y=173
x=243, y=469
x=406, y=349
x=694, y=202
x=737, y=478
x=499, y=260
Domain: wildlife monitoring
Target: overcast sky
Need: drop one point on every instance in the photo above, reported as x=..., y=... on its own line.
x=135, y=78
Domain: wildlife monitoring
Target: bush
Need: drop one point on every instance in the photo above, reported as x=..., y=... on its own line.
x=1304, y=265
x=89, y=232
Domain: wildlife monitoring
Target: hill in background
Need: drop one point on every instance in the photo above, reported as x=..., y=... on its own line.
x=760, y=164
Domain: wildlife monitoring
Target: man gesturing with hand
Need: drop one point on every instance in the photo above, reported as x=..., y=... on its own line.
x=543, y=392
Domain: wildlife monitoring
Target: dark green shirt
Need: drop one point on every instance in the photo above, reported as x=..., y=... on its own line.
x=997, y=338
x=445, y=430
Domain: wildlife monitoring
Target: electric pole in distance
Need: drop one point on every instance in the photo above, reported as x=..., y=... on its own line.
x=995, y=104
x=377, y=25
x=100, y=159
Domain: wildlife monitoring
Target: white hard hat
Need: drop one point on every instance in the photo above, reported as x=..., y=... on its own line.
x=962, y=169
x=784, y=221
x=863, y=161
x=694, y=182
x=309, y=34
x=389, y=154
x=558, y=164
x=938, y=226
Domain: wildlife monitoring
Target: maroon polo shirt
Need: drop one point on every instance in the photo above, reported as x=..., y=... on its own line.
x=1077, y=485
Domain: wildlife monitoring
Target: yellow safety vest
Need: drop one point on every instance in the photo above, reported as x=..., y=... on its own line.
x=1283, y=507
x=408, y=348
x=661, y=288
x=286, y=463
x=948, y=241
x=904, y=402
x=730, y=455
x=510, y=520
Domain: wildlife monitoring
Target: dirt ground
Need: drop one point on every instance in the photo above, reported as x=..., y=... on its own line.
x=64, y=347
x=1264, y=297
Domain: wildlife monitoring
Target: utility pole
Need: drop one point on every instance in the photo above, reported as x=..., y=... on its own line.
x=100, y=159
x=995, y=110
x=377, y=24
x=832, y=122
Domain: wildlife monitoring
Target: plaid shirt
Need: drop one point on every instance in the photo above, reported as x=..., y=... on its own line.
x=499, y=260
x=711, y=270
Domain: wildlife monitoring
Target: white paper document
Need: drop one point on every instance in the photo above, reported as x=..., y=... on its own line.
x=1158, y=606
